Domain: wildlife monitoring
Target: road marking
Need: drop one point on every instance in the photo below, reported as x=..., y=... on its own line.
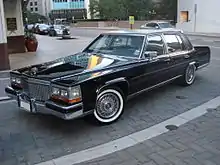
x=133, y=139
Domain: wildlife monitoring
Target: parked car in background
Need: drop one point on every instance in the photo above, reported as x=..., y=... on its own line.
x=157, y=25
x=30, y=26
x=59, y=30
x=42, y=29
x=113, y=68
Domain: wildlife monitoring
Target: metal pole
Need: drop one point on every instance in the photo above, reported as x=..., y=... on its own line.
x=195, y=21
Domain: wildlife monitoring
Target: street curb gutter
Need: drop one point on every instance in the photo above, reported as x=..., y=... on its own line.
x=6, y=98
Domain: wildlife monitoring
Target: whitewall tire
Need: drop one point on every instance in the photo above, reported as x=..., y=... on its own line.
x=189, y=75
x=109, y=106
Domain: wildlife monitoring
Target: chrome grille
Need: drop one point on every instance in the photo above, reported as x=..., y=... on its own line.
x=36, y=89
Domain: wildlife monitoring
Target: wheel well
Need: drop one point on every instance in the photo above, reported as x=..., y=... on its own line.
x=122, y=86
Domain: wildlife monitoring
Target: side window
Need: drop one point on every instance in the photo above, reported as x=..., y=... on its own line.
x=187, y=43
x=172, y=43
x=155, y=43
x=181, y=42
x=151, y=25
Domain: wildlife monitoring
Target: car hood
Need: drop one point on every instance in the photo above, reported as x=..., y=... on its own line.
x=77, y=65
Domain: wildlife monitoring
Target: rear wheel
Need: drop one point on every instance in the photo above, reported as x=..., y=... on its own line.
x=109, y=106
x=189, y=76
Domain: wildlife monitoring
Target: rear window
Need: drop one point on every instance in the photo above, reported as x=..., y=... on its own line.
x=165, y=25
x=188, y=45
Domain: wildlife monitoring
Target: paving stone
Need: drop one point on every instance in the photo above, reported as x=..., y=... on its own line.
x=159, y=159
x=150, y=163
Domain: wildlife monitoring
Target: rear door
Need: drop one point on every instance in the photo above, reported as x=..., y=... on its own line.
x=178, y=51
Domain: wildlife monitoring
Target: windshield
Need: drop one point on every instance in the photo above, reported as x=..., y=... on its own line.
x=43, y=26
x=119, y=45
x=59, y=27
x=165, y=25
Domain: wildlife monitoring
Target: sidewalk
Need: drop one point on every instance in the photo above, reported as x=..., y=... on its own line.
x=49, y=48
x=194, y=143
x=4, y=81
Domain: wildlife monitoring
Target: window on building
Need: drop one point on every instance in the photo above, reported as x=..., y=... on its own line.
x=35, y=3
x=31, y=3
x=184, y=16
x=36, y=9
x=31, y=9
x=172, y=43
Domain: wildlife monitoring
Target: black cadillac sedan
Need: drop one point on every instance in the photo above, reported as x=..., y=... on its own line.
x=112, y=69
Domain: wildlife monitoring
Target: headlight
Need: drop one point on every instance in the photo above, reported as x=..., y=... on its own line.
x=15, y=80
x=75, y=92
x=55, y=91
x=69, y=95
x=64, y=93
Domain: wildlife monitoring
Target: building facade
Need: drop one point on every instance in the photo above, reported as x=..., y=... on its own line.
x=11, y=30
x=71, y=9
x=42, y=7
x=199, y=16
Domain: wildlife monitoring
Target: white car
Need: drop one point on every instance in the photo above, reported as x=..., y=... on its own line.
x=59, y=30
x=158, y=25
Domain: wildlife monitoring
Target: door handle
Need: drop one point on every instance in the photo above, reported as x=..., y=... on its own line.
x=167, y=60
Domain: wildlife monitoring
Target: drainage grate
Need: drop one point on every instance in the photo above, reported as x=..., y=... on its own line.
x=180, y=97
x=171, y=127
x=211, y=110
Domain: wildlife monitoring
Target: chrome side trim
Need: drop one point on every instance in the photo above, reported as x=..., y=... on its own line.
x=121, y=79
x=152, y=87
x=192, y=63
x=202, y=66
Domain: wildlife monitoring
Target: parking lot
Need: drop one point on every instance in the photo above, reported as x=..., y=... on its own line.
x=30, y=139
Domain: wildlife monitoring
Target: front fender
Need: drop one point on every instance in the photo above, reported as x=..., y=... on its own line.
x=118, y=81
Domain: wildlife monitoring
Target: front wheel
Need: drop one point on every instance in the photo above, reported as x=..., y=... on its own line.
x=189, y=75
x=109, y=106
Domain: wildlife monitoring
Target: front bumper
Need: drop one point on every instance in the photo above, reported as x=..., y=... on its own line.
x=49, y=107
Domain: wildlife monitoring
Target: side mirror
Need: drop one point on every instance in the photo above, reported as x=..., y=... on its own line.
x=150, y=54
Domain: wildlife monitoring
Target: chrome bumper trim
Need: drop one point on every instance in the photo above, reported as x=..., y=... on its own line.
x=41, y=108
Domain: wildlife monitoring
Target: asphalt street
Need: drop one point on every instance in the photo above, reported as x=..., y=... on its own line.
x=29, y=139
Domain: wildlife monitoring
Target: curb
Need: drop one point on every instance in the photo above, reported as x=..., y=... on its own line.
x=5, y=98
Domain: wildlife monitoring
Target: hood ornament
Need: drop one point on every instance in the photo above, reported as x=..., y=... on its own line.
x=34, y=71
